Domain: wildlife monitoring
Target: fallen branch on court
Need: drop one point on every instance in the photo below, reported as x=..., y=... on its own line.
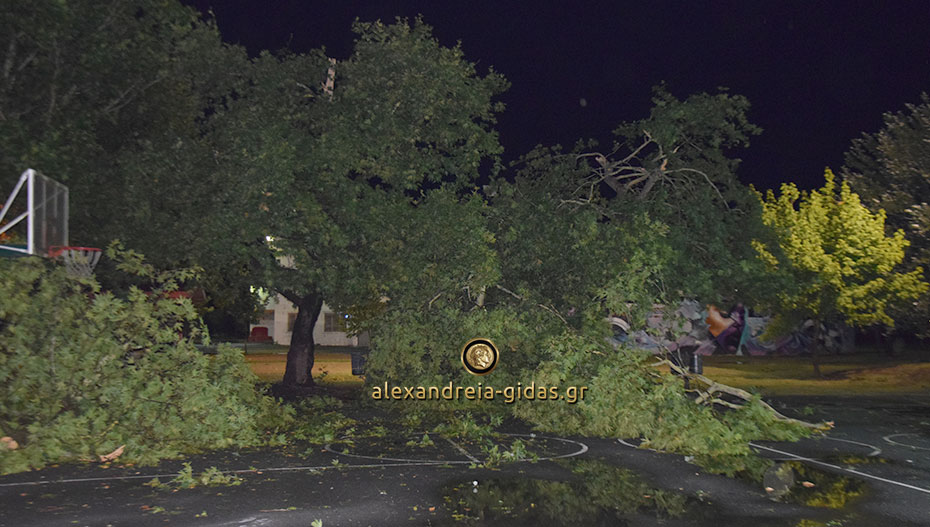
x=707, y=395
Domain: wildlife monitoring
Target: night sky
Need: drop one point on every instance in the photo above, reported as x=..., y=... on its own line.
x=817, y=73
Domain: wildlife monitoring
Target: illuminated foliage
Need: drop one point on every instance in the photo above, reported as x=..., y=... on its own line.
x=837, y=255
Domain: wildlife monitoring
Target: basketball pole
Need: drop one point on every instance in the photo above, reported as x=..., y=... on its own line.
x=9, y=200
x=31, y=222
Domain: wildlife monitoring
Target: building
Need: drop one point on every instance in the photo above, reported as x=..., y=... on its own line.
x=279, y=318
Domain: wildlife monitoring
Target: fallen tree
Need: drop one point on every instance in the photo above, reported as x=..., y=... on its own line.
x=535, y=265
x=89, y=375
x=708, y=390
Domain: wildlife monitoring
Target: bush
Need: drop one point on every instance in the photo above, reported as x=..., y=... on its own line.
x=85, y=372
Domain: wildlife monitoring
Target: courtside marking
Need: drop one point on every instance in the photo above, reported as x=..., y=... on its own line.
x=243, y=471
x=582, y=448
x=815, y=461
x=875, y=450
x=888, y=439
x=399, y=463
x=463, y=451
x=836, y=467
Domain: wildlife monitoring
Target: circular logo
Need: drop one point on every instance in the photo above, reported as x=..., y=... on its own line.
x=479, y=356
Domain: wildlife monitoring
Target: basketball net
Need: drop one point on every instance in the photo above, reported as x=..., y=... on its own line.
x=79, y=261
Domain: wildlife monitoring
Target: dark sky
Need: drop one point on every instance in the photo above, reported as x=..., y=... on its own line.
x=817, y=73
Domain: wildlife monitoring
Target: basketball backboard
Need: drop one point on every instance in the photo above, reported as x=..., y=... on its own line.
x=34, y=216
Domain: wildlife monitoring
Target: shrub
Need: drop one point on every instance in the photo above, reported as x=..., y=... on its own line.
x=85, y=372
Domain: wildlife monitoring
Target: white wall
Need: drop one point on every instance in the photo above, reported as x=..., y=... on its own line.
x=284, y=310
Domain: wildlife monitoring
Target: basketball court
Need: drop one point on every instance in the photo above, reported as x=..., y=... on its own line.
x=878, y=453
x=880, y=448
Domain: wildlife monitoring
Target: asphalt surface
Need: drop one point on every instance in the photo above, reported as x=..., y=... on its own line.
x=892, y=434
x=881, y=444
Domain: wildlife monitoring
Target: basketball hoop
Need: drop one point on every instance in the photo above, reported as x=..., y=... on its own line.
x=79, y=261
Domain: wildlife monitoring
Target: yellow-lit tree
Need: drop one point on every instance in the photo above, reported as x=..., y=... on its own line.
x=840, y=264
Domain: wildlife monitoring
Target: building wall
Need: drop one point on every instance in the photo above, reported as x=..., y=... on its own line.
x=280, y=314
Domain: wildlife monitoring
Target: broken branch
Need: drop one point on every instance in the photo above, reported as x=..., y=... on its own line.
x=715, y=387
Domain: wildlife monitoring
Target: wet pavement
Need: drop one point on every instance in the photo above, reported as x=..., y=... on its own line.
x=872, y=469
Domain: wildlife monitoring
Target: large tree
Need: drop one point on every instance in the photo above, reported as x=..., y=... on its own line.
x=537, y=270
x=677, y=168
x=890, y=169
x=87, y=85
x=568, y=251
x=281, y=171
x=345, y=150
x=841, y=262
x=118, y=101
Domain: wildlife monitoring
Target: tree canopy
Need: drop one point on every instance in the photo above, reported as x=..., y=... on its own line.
x=552, y=255
x=841, y=262
x=678, y=168
x=890, y=169
x=93, y=375
x=405, y=115
x=187, y=150
x=354, y=181
x=89, y=90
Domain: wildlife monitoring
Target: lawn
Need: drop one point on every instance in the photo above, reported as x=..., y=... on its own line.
x=856, y=374
x=333, y=365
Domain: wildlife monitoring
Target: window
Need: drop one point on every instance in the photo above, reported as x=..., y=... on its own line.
x=334, y=322
x=291, y=318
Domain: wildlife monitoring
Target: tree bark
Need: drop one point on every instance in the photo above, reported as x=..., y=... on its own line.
x=300, y=354
x=819, y=335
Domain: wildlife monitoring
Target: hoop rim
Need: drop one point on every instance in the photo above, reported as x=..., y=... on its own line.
x=55, y=251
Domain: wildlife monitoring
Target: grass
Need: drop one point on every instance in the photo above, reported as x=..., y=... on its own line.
x=335, y=362
x=857, y=374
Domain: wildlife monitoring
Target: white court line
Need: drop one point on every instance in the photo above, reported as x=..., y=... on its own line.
x=243, y=471
x=875, y=450
x=810, y=460
x=836, y=467
x=582, y=448
x=463, y=451
x=624, y=443
x=888, y=439
x=328, y=447
x=399, y=463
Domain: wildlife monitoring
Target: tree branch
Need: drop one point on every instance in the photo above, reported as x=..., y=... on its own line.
x=290, y=295
x=9, y=77
x=127, y=96
x=706, y=396
x=650, y=182
x=53, y=84
x=10, y=54
x=429, y=304
x=543, y=306
x=554, y=312
x=706, y=177
x=508, y=291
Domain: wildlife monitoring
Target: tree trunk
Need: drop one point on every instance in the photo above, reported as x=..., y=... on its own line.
x=300, y=353
x=815, y=360
x=847, y=338
x=819, y=335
